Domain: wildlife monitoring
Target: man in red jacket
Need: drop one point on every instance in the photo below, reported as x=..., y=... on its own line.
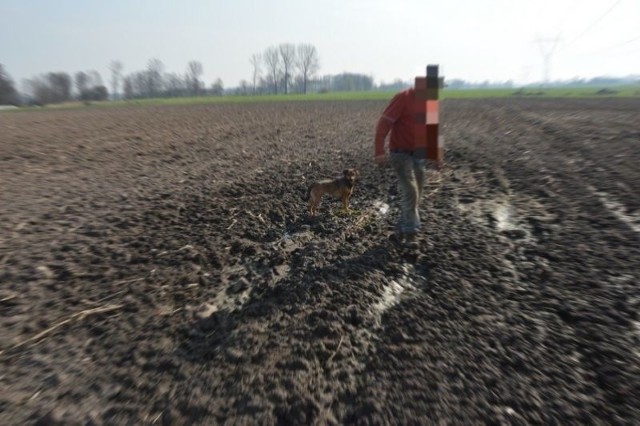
x=407, y=160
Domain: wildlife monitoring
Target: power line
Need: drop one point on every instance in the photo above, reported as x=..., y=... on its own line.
x=566, y=16
x=611, y=47
x=546, y=54
x=625, y=42
x=593, y=24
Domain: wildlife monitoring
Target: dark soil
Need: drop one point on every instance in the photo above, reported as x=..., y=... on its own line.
x=157, y=265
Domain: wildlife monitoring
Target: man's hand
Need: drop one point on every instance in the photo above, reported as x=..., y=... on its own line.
x=381, y=160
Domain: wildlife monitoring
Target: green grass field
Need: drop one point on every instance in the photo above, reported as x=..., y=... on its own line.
x=622, y=91
x=555, y=92
x=336, y=96
x=559, y=92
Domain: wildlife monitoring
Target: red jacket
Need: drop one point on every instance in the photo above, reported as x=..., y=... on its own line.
x=398, y=117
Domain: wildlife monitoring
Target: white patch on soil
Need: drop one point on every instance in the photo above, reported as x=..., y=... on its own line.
x=500, y=214
x=390, y=297
x=393, y=291
x=508, y=216
x=381, y=207
x=504, y=215
x=224, y=301
x=618, y=209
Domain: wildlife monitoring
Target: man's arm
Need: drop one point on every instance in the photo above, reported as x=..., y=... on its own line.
x=389, y=116
x=382, y=130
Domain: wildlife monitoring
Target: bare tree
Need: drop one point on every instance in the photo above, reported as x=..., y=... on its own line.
x=94, y=78
x=217, y=88
x=175, y=85
x=308, y=63
x=127, y=88
x=60, y=84
x=288, y=55
x=351, y=82
x=264, y=85
x=38, y=90
x=82, y=82
x=8, y=92
x=194, y=71
x=51, y=88
x=154, y=76
x=296, y=85
x=272, y=61
x=244, y=88
x=256, y=60
x=26, y=88
x=116, y=75
x=140, y=83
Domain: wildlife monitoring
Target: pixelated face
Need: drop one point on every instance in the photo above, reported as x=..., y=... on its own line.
x=350, y=174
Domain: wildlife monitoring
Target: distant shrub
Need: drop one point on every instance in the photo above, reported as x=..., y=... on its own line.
x=96, y=93
x=606, y=91
x=522, y=92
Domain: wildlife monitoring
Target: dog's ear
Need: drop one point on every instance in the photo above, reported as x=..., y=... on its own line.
x=345, y=172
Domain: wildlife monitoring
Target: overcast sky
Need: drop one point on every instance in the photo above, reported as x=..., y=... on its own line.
x=387, y=39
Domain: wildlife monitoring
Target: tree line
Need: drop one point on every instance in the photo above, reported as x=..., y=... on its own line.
x=154, y=82
x=288, y=68
x=285, y=68
x=52, y=87
x=280, y=69
x=58, y=87
x=8, y=93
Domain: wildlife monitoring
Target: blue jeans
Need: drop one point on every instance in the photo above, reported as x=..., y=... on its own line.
x=410, y=172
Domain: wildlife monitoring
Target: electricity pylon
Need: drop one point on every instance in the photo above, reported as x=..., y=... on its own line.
x=550, y=44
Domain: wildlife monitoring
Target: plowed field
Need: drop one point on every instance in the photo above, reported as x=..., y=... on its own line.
x=157, y=265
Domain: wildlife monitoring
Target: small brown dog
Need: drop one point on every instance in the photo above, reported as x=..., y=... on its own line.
x=340, y=188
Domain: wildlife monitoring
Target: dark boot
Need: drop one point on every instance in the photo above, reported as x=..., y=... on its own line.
x=396, y=237
x=411, y=240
